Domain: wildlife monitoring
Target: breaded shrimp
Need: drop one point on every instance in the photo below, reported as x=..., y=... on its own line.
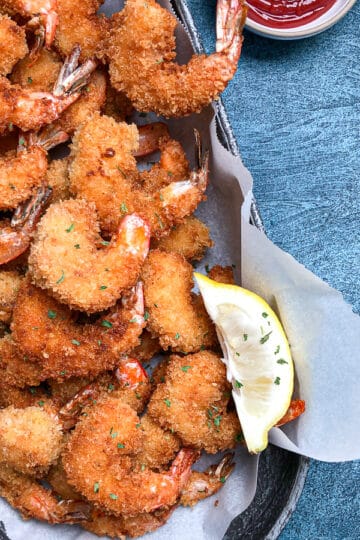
x=101, y=462
x=30, y=439
x=39, y=75
x=190, y=239
x=116, y=105
x=79, y=25
x=20, y=174
x=13, y=45
x=175, y=316
x=57, y=177
x=58, y=481
x=35, y=501
x=30, y=110
x=149, y=346
x=42, y=13
x=103, y=171
x=10, y=281
x=22, y=398
x=144, y=32
x=91, y=100
x=15, y=368
x=46, y=333
x=159, y=446
x=16, y=234
x=69, y=258
x=62, y=391
x=193, y=402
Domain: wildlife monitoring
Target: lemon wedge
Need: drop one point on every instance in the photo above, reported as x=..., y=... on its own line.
x=257, y=355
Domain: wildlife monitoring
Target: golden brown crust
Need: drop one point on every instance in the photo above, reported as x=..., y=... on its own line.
x=13, y=45
x=222, y=274
x=10, y=281
x=193, y=402
x=38, y=75
x=57, y=177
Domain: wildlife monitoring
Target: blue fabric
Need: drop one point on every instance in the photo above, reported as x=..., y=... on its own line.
x=295, y=111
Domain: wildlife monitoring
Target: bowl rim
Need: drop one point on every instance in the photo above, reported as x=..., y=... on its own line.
x=303, y=30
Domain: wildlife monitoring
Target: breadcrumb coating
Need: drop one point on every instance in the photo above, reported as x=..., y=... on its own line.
x=190, y=239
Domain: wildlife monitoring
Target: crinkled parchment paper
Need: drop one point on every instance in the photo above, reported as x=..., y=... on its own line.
x=322, y=330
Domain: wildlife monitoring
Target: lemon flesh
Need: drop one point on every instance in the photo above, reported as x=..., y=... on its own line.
x=257, y=355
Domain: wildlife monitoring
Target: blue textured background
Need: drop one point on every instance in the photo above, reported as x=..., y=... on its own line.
x=295, y=111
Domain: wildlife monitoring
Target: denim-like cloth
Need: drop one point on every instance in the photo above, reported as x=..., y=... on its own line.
x=295, y=110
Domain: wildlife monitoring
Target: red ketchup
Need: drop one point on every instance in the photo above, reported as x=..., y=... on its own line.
x=287, y=13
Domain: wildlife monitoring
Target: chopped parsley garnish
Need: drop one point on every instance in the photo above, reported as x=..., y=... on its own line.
x=123, y=208
x=245, y=337
x=264, y=314
x=277, y=350
x=71, y=228
x=106, y=323
x=75, y=342
x=167, y=402
x=222, y=479
x=22, y=141
x=238, y=384
x=41, y=403
x=77, y=246
x=99, y=342
x=113, y=496
x=239, y=437
x=177, y=335
x=103, y=287
x=185, y=368
x=138, y=426
x=281, y=361
x=120, y=445
x=217, y=420
x=32, y=390
x=96, y=487
x=265, y=338
x=146, y=315
x=133, y=320
x=143, y=466
x=61, y=278
x=51, y=314
x=105, y=242
x=30, y=80
x=277, y=380
x=207, y=268
x=111, y=387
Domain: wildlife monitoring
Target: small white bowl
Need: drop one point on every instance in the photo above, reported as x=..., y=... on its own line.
x=327, y=19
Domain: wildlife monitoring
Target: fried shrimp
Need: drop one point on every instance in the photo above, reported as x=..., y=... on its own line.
x=108, y=473
x=34, y=501
x=15, y=368
x=149, y=346
x=46, y=333
x=193, y=402
x=10, y=281
x=42, y=14
x=103, y=171
x=80, y=25
x=190, y=239
x=21, y=398
x=57, y=178
x=30, y=439
x=222, y=274
x=176, y=316
x=30, y=110
x=67, y=257
x=13, y=45
x=38, y=75
x=15, y=235
x=144, y=32
x=21, y=173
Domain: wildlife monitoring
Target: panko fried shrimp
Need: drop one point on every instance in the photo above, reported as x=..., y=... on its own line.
x=15, y=368
x=193, y=402
x=20, y=174
x=128, y=382
x=176, y=316
x=70, y=259
x=116, y=105
x=91, y=100
x=34, y=501
x=13, y=45
x=45, y=332
x=159, y=446
x=57, y=178
x=62, y=391
x=38, y=75
x=204, y=484
x=80, y=25
x=57, y=479
x=103, y=171
x=30, y=439
x=10, y=281
x=190, y=239
x=149, y=137
x=16, y=234
x=30, y=110
x=22, y=398
x=101, y=462
x=121, y=526
x=153, y=81
x=42, y=15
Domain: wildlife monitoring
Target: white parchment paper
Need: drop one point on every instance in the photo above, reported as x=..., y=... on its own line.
x=322, y=330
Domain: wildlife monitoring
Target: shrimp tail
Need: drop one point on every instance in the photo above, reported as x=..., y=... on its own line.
x=27, y=215
x=72, y=77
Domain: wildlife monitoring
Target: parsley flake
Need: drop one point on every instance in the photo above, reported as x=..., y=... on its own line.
x=61, y=278
x=75, y=342
x=177, y=335
x=238, y=384
x=265, y=338
x=77, y=246
x=123, y=208
x=265, y=314
x=222, y=479
x=71, y=228
x=103, y=287
x=51, y=314
x=277, y=380
x=96, y=487
x=185, y=368
x=281, y=361
x=217, y=420
x=113, y=496
x=41, y=403
x=105, y=242
x=120, y=445
x=111, y=387
x=146, y=315
x=167, y=402
x=245, y=337
x=106, y=324
x=277, y=350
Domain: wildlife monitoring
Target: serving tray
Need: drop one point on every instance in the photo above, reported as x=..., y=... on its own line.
x=281, y=474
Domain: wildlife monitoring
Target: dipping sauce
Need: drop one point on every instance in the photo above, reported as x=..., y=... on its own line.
x=287, y=13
